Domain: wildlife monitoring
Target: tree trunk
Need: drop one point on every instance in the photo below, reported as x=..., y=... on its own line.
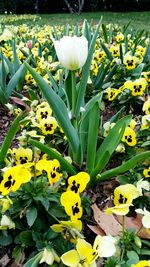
x=69, y=6
x=37, y=6
x=81, y=5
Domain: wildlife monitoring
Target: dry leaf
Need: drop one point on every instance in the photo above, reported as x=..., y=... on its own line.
x=106, y=222
x=4, y=260
x=17, y=100
x=134, y=223
x=97, y=230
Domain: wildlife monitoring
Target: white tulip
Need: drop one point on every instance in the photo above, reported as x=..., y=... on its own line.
x=72, y=51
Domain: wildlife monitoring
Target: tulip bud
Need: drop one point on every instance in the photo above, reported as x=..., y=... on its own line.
x=72, y=51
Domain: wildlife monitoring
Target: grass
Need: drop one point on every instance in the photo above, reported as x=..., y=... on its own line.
x=139, y=20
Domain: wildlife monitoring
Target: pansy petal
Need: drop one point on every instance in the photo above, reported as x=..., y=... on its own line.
x=71, y=258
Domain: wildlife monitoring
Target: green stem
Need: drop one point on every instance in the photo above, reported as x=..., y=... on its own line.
x=123, y=237
x=74, y=91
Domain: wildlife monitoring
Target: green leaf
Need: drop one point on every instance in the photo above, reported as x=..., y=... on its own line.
x=32, y=94
x=85, y=72
x=3, y=73
x=133, y=257
x=26, y=238
x=86, y=31
x=92, y=136
x=147, y=53
x=9, y=137
x=106, y=50
x=109, y=144
x=54, y=155
x=84, y=122
x=3, y=98
x=129, y=164
x=138, y=70
x=105, y=33
x=54, y=84
x=111, y=74
x=18, y=254
x=121, y=53
x=147, y=143
x=14, y=80
x=15, y=56
x=34, y=262
x=117, y=115
x=31, y=215
x=5, y=239
x=59, y=108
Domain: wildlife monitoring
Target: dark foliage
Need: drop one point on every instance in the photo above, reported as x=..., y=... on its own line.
x=59, y=6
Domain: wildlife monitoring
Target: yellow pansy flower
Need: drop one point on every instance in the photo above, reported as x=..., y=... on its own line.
x=142, y=264
x=145, y=122
x=130, y=62
x=70, y=229
x=119, y=38
x=112, y=93
x=84, y=255
x=13, y=178
x=51, y=167
x=67, y=225
x=124, y=194
x=29, y=79
x=5, y=203
x=129, y=137
x=99, y=55
x=123, y=198
x=22, y=155
x=78, y=182
x=146, y=172
x=121, y=209
x=127, y=85
x=146, y=107
x=141, y=49
x=72, y=204
x=146, y=75
x=43, y=113
x=115, y=50
x=132, y=124
x=94, y=67
x=48, y=125
x=138, y=87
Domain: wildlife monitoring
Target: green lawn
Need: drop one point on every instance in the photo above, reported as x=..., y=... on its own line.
x=139, y=20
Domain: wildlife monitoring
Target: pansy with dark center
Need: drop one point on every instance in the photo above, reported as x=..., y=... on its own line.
x=72, y=204
x=23, y=155
x=48, y=125
x=14, y=177
x=129, y=136
x=78, y=182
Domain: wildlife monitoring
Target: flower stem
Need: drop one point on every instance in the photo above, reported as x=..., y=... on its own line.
x=74, y=92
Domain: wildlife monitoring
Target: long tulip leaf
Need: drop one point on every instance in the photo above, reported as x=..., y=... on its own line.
x=109, y=144
x=59, y=108
x=54, y=155
x=129, y=164
x=9, y=137
x=92, y=136
x=85, y=72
